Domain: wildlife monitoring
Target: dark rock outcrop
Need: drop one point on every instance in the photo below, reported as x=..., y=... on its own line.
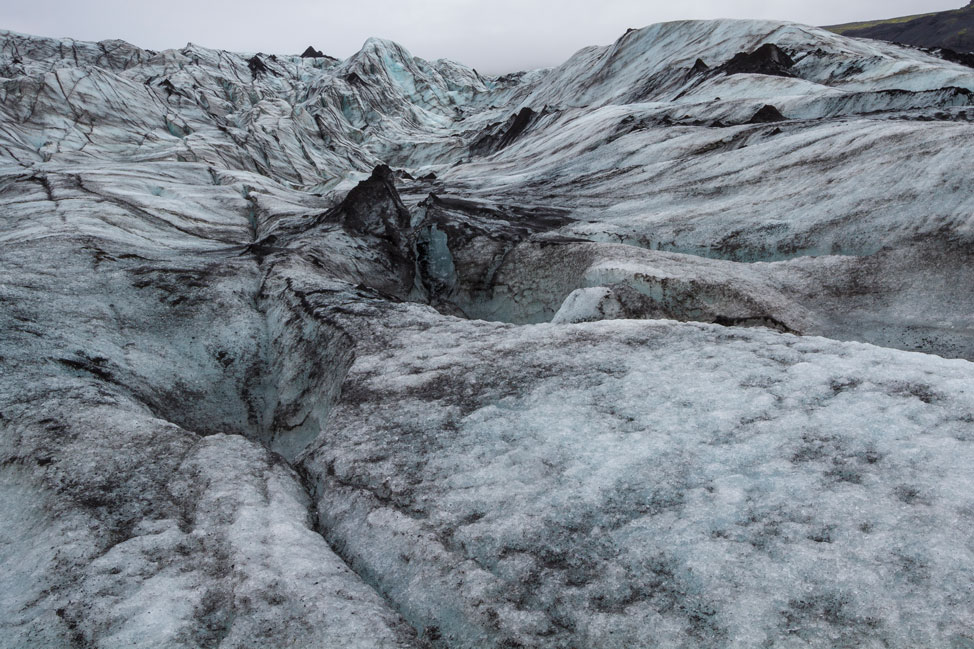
x=257, y=66
x=374, y=211
x=374, y=206
x=312, y=53
x=767, y=115
x=499, y=136
x=964, y=58
x=699, y=67
x=767, y=59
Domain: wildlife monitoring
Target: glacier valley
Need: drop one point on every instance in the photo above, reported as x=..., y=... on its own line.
x=669, y=346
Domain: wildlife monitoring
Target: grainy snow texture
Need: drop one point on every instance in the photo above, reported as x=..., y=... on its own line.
x=669, y=346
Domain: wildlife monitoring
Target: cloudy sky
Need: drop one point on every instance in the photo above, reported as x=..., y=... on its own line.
x=492, y=35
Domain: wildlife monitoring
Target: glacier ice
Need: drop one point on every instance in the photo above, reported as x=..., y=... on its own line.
x=384, y=352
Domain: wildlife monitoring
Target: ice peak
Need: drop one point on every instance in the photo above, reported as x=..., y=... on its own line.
x=385, y=46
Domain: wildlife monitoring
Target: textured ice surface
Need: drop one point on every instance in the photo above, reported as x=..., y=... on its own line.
x=654, y=484
x=385, y=353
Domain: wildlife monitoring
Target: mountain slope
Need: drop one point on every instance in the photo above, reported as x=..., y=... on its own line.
x=668, y=346
x=945, y=29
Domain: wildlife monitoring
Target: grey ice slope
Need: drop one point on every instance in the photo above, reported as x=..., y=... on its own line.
x=386, y=353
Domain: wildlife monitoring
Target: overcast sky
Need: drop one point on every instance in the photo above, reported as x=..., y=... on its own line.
x=492, y=35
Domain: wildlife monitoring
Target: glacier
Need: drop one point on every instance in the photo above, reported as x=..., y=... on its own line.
x=668, y=346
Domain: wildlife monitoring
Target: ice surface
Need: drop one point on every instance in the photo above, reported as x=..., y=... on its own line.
x=618, y=483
